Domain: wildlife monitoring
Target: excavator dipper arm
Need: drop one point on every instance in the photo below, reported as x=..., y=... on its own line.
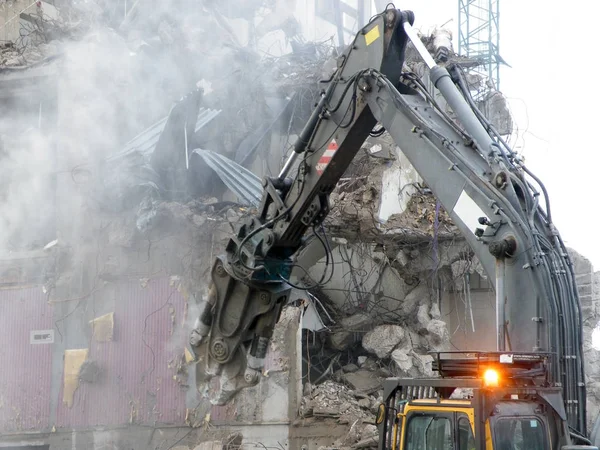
x=492, y=198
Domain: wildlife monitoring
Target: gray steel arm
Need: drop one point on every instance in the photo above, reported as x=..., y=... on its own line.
x=541, y=303
x=484, y=188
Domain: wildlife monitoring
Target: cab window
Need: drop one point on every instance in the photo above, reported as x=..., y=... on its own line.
x=429, y=433
x=466, y=440
x=519, y=433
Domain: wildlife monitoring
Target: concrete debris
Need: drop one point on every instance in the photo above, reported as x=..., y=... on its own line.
x=462, y=394
x=335, y=400
x=349, y=327
x=369, y=442
x=233, y=441
x=357, y=200
x=364, y=403
x=350, y=368
x=211, y=445
x=402, y=358
x=423, y=317
x=463, y=267
x=435, y=312
x=438, y=331
x=424, y=364
x=363, y=381
x=442, y=44
x=413, y=300
x=382, y=340
x=495, y=107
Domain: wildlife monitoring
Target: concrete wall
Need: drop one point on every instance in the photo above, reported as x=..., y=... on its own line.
x=477, y=334
x=589, y=295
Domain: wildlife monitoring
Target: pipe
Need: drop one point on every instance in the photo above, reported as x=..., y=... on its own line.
x=304, y=138
x=414, y=38
x=443, y=82
x=288, y=166
x=500, y=314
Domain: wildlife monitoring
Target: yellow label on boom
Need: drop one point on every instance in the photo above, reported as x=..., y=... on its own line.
x=372, y=35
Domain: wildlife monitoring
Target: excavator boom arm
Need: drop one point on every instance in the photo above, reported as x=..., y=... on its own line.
x=492, y=198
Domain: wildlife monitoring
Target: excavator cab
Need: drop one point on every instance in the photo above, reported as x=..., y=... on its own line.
x=484, y=401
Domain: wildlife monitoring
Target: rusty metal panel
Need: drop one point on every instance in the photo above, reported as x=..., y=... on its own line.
x=25, y=359
x=137, y=370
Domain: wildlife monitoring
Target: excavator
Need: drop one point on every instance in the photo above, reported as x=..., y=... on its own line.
x=528, y=393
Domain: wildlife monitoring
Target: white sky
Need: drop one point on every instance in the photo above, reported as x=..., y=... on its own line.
x=553, y=48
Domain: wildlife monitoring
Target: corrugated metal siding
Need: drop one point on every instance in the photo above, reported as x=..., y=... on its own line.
x=137, y=369
x=25, y=369
x=137, y=384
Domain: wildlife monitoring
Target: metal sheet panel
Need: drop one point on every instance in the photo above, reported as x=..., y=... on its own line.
x=137, y=382
x=146, y=141
x=26, y=367
x=242, y=182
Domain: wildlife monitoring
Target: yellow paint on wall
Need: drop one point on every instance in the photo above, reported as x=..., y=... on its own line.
x=74, y=359
x=189, y=357
x=103, y=327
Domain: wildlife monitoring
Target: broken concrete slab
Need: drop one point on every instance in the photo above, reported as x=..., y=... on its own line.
x=364, y=403
x=383, y=339
x=423, y=317
x=434, y=312
x=363, y=380
x=345, y=337
x=366, y=443
x=350, y=368
x=233, y=441
x=424, y=363
x=334, y=400
x=438, y=332
x=211, y=445
x=416, y=297
x=370, y=364
x=402, y=358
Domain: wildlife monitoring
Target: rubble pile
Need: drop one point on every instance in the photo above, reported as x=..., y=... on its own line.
x=357, y=199
x=335, y=401
x=41, y=35
x=399, y=350
x=353, y=392
x=14, y=57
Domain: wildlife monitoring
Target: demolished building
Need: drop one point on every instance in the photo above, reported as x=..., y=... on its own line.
x=105, y=299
